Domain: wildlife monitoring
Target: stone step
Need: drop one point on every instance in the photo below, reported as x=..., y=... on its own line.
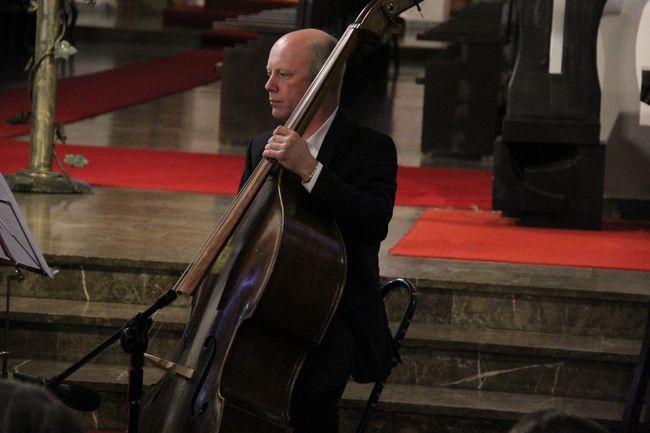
x=402, y=408
x=521, y=305
x=110, y=381
x=450, y=337
x=517, y=361
x=419, y=409
x=562, y=305
x=433, y=355
x=99, y=280
x=66, y=330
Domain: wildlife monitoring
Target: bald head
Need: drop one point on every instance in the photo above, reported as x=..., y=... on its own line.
x=315, y=45
x=294, y=61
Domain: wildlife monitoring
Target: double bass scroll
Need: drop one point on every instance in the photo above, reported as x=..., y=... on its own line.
x=253, y=323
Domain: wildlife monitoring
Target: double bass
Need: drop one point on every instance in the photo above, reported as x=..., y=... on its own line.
x=281, y=275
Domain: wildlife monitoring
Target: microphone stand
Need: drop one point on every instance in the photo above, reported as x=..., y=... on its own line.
x=17, y=276
x=5, y=346
x=134, y=339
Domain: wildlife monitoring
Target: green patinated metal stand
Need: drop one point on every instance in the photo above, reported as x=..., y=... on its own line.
x=40, y=177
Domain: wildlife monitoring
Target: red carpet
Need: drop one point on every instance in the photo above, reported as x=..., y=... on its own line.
x=219, y=174
x=140, y=168
x=486, y=236
x=444, y=187
x=89, y=95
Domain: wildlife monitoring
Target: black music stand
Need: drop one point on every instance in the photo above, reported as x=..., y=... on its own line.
x=17, y=246
x=18, y=249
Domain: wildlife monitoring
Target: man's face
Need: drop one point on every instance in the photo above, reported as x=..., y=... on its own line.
x=289, y=76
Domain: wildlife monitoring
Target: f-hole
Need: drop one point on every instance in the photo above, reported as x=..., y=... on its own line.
x=201, y=398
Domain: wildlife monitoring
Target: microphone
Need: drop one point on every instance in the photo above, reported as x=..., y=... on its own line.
x=74, y=396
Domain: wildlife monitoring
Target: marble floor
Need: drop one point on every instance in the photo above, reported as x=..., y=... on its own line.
x=161, y=226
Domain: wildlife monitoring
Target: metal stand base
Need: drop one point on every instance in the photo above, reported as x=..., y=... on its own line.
x=49, y=182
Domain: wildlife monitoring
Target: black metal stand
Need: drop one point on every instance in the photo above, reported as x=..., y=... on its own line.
x=134, y=340
x=397, y=343
x=17, y=276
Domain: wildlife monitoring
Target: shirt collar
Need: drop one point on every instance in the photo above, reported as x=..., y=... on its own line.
x=316, y=140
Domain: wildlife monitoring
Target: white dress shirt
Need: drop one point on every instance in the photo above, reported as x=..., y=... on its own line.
x=315, y=142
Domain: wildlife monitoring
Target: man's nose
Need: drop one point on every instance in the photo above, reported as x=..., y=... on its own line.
x=270, y=84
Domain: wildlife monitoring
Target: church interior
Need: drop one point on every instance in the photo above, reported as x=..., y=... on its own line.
x=521, y=223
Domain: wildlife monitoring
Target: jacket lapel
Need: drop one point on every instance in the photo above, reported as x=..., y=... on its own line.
x=335, y=138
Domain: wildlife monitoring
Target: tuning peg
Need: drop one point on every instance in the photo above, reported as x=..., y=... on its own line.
x=397, y=26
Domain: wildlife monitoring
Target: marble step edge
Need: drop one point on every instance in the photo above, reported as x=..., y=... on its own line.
x=523, y=343
x=450, y=275
x=412, y=399
x=419, y=335
x=83, y=313
x=101, y=263
x=622, y=293
x=424, y=400
x=537, y=280
x=99, y=377
x=445, y=276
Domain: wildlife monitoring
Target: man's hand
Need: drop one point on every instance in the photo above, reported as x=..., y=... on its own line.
x=291, y=151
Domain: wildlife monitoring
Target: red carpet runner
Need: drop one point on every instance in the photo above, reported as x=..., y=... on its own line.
x=140, y=168
x=487, y=236
x=444, y=187
x=219, y=174
x=88, y=95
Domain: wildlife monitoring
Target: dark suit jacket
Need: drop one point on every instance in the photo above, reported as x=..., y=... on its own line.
x=357, y=189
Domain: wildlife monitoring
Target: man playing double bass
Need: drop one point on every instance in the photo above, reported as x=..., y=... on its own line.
x=348, y=172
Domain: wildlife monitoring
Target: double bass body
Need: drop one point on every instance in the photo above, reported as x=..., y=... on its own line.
x=253, y=323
